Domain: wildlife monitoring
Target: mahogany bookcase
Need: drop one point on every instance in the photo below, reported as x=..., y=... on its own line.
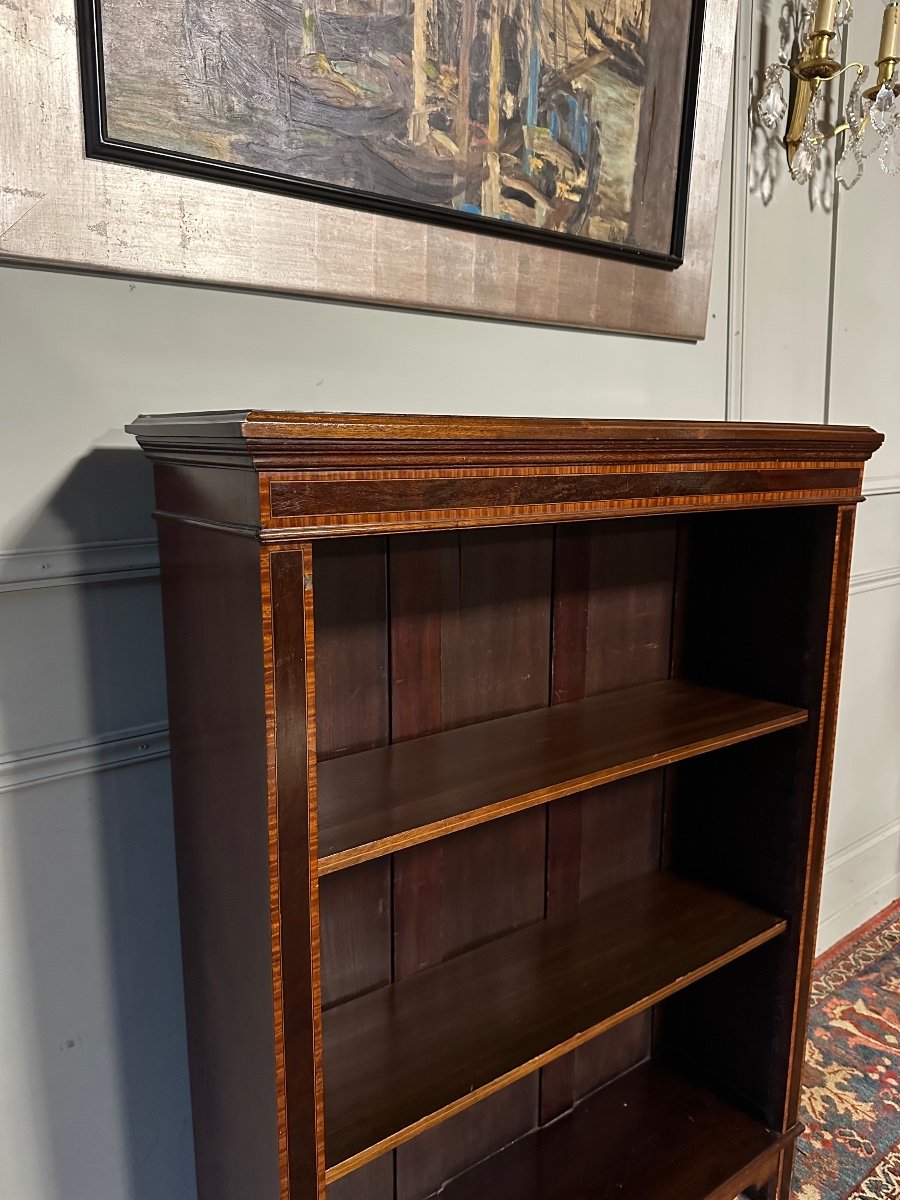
x=501, y=754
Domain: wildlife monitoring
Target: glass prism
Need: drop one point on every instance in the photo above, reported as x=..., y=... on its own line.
x=772, y=105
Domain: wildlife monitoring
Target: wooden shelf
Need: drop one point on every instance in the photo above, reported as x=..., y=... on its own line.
x=680, y=1142
x=405, y=1057
x=382, y=800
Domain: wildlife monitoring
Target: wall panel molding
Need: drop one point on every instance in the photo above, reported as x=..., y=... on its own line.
x=834, y=862
x=737, y=214
x=102, y=562
x=125, y=748
x=885, y=485
x=87, y=562
x=859, y=880
x=869, y=581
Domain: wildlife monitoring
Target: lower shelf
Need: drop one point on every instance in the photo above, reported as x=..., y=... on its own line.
x=651, y=1135
x=406, y=1057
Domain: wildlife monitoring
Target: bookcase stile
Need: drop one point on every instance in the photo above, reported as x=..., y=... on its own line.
x=287, y=584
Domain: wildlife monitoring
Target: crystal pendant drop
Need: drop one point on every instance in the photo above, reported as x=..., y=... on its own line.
x=849, y=170
x=772, y=105
x=889, y=156
x=804, y=164
x=882, y=113
x=806, y=156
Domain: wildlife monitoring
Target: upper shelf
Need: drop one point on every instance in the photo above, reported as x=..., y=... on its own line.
x=388, y=799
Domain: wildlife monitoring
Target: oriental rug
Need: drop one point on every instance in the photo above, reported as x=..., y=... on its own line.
x=851, y=1092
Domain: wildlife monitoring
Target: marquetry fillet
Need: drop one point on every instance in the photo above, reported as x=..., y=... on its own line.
x=501, y=754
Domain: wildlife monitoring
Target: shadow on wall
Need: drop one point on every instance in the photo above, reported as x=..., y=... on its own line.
x=99, y=1077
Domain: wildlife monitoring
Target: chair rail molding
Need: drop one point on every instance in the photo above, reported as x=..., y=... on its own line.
x=86, y=562
x=884, y=485
x=127, y=747
x=869, y=581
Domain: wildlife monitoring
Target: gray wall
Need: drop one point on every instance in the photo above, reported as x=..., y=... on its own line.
x=93, y=1087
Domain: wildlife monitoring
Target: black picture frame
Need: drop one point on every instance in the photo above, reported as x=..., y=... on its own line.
x=100, y=145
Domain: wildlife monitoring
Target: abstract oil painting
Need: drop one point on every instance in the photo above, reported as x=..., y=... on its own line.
x=567, y=120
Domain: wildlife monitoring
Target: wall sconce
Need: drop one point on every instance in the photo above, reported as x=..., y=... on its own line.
x=872, y=116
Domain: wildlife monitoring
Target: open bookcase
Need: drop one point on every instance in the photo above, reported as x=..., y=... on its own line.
x=501, y=755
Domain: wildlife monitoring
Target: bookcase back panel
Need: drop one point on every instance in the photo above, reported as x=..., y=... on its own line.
x=612, y=628
x=425, y=1164
x=420, y=633
x=596, y=840
x=352, y=714
x=756, y=620
x=351, y=646
x=374, y=1181
x=416, y=634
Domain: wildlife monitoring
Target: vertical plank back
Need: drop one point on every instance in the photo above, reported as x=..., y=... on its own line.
x=612, y=627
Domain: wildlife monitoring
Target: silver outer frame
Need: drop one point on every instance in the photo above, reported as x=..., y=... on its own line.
x=62, y=210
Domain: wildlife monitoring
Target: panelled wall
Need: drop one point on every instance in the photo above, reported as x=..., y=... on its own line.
x=93, y=1087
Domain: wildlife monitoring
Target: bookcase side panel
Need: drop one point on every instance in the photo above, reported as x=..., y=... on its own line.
x=837, y=620
x=213, y=614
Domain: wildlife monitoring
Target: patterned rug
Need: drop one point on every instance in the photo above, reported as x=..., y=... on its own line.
x=851, y=1094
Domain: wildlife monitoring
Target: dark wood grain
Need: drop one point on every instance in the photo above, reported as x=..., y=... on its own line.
x=351, y=647
x=651, y=1135
x=596, y=840
x=429, y=1161
x=292, y=502
x=612, y=627
x=265, y=433
x=396, y=796
x=470, y=640
x=218, y=495
x=350, y=472
x=212, y=595
x=374, y=1181
x=293, y=847
x=418, y=566
x=403, y=1058
x=457, y=892
x=758, y=615
x=356, y=930
x=614, y=581
x=352, y=713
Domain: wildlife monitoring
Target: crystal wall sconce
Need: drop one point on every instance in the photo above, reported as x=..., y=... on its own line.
x=872, y=124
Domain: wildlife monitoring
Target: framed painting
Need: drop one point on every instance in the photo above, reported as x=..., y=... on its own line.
x=567, y=121
x=548, y=161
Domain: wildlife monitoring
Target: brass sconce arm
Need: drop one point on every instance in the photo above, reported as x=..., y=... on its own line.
x=813, y=66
